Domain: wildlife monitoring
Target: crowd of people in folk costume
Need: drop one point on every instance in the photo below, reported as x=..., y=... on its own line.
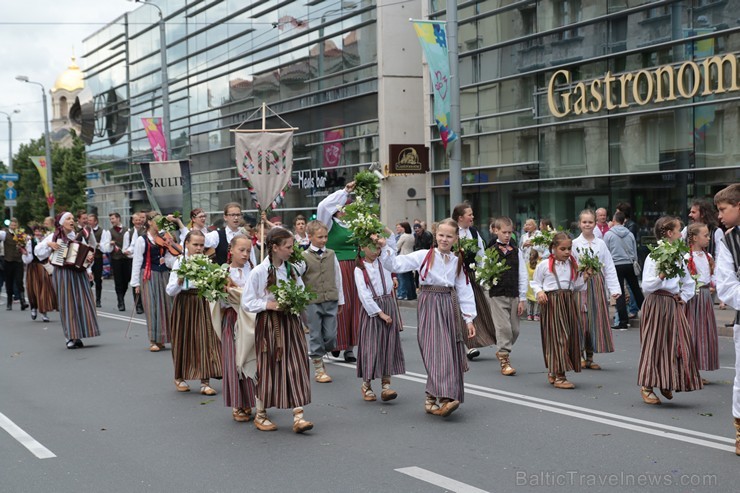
x=264, y=354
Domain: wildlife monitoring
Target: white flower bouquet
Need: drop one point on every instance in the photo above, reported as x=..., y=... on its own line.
x=361, y=218
x=291, y=297
x=202, y=274
x=543, y=238
x=490, y=268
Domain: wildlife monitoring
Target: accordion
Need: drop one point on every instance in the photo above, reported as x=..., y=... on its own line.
x=72, y=255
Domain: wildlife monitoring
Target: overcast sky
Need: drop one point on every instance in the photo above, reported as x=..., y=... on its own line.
x=37, y=39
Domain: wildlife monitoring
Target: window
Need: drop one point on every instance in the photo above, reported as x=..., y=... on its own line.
x=569, y=12
x=570, y=143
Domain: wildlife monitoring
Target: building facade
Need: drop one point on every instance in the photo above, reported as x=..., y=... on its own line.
x=569, y=104
x=330, y=68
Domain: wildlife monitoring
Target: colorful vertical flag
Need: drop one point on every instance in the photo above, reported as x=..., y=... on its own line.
x=333, y=147
x=40, y=163
x=433, y=39
x=153, y=128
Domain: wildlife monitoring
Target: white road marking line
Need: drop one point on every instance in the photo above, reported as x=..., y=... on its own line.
x=122, y=318
x=25, y=439
x=640, y=425
x=439, y=480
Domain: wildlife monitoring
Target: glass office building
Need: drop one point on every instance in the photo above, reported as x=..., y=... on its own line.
x=547, y=132
x=320, y=65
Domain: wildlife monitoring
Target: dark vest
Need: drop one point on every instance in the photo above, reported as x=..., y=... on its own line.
x=98, y=234
x=117, y=253
x=222, y=249
x=155, y=252
x=508, y=285
x=11, y=248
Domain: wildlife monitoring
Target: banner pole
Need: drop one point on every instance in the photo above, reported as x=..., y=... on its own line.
x=264, y=116
x=262, y=240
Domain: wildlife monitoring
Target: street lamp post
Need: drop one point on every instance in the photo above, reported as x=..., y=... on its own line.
x=165, y=79
x=10, y=145
x=47, y=142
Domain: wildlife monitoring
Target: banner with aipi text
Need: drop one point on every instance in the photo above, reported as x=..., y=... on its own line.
x=264, y=160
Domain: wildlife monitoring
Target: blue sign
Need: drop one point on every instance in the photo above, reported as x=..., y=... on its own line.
x=93, y=176
x=9, y=177
x=11, y=194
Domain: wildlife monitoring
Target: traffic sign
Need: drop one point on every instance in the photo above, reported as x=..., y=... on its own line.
x=10, y=203
x=9, y=177
x=93, y=176
x=11, y=194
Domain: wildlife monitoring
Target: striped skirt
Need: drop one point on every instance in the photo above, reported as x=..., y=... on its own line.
x=41, y=294
x=348, y=322
x=485, y=332
x=238, y=392
x=157, y=306
x=282, y=361
x=703, y=326
x=75, y=301
x=597, y=331
x=666, y=349
x=441, y=342
x=196, y=351
x=379, y=351
x=561, y=331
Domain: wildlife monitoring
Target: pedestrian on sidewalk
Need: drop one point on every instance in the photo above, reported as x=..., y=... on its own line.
x=446, y=310
x=597, y=331
x=700, y=308
x=196, y=352
x=623, y=249
x=555, y=283
x=379, y=351
x=727, y=201
x=666, y=353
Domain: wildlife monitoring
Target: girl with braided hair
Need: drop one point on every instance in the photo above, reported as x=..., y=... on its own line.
x=446, y=312
x=283, y=379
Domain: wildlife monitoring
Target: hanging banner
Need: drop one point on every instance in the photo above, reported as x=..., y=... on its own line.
x=264, y=160
x=40, y=163
x=153, y=128
x=433, y=39
x=333, y=148
x=168, y=186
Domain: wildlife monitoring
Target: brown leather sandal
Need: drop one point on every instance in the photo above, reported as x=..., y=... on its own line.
x=649, y=396
x=367, y=393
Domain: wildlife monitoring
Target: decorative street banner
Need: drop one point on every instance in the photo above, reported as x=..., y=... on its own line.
x=153, y=128
x=333, y=147
x=40, y=163
x=433, y=39
x=264, y=160
x=168, y=185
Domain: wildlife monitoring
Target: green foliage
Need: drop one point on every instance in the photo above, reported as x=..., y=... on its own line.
x=491, y=268
x=588, y=261
x=361, y=217
x=367, y=186
x=292, y=297
x=208, y=278
x=670, y=257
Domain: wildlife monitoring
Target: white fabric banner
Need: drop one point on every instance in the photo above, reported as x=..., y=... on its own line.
x=265, y=161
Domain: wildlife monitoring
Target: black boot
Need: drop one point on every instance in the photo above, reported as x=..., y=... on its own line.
x=121, y=304
x=24, y=305
x=98, y=295
x=139, y=306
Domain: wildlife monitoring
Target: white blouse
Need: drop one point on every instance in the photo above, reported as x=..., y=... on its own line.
x=212, y=236
x=43, y=250
x=255, y=295
x=443, y=273
x=544, y=280
x=28, y=256
x=602, y=252
x=684, y=285
x=728, y=277
x=139, y=250
x=363, y=290
x=701, y=262
x=327, y=207
x=239, y=275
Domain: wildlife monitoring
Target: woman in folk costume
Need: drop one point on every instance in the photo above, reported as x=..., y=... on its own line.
x=41, y=294
x=700, y=308
x=235, y=327
x=666, y=348
x=597, y=331
x=149, y=274
x=379, y=351
x=485, y=333
x=282, y=352
x=348, y=321
x=196, y=353
x=446, y=312
x=74, y=296
x=555, y=283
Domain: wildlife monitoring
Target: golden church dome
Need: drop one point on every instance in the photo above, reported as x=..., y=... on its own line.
x=71, y=79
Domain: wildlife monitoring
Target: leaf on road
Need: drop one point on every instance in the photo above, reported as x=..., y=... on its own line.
x=206, y=402
x=706, y=414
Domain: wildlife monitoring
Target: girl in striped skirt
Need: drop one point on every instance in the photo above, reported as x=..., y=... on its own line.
x=555, y=282
x=700, y=309
x=149, y=274
x=666, y=348
x=238, y=387
x=597, y=332
x=41, y=295
x=379, y=352
x=196, y=353
x=282, y=353
x=74, y=297
x=446, y=311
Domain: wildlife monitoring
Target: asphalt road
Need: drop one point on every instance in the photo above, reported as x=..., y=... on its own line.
x=109, y=419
